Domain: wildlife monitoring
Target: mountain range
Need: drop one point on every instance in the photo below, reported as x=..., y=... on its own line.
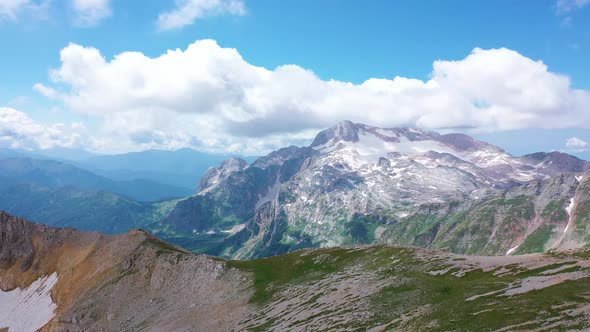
x=178, y=168
x=109, y=193
x=358, y=184
x=365, y=229
x=354, y=184
x=56, y=174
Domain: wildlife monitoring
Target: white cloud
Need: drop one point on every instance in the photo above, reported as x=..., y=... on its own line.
x=209, y=97
x=566, y=6
x=45, y=90
x=575, y=144
x=19, y=131
x=188, y=11
x=13, y=9
x=10, y=8
x=91, y=12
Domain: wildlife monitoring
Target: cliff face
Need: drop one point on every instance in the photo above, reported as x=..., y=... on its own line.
x=66, y=280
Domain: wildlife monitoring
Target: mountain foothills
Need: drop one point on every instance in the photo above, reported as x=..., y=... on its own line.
x=111, y=194
x=57, y=193
x=179, y=168
x=358, y=184
x=56, y=174
x=55, y=279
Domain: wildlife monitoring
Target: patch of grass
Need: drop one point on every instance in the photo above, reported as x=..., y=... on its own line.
x=555, y=211
x=274, y=273
x=162, y=247
x=429, y=302
x=536, y=241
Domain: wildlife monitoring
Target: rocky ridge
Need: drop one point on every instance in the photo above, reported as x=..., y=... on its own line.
x=135, y=282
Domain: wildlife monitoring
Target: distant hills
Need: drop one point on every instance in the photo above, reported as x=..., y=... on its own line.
x=56, y=174
x=112, y=194
x=88, y=210
x=180, y=168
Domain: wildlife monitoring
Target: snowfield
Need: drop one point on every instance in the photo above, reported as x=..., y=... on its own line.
x=28, y=309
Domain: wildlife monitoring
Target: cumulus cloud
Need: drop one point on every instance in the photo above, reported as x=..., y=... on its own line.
x=187, y=12
x=91, y=12
x=12, y=9
x=207, y=96
x=19, y=131
x=575, y=144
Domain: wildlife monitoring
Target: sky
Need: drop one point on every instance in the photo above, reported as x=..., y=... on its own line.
x=250, y=76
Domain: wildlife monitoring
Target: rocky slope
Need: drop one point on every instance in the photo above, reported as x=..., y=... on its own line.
x=113, y=283
x=92, y=282
x=361, y=184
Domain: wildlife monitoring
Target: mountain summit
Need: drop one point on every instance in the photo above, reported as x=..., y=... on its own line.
x=362, y=184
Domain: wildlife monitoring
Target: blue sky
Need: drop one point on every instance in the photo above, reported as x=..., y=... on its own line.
x=346, y=41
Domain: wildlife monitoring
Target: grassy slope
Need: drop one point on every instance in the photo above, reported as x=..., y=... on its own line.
x=428, y=302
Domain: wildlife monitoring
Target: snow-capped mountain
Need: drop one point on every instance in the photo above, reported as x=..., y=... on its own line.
x=358, y=183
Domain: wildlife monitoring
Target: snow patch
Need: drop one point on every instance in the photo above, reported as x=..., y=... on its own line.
x=403, y=214
x=28, y=309
x=511, y=250
x=579, y=178
x=235, y=229
x=370, y=148
x=385, y=132
x=569, y=209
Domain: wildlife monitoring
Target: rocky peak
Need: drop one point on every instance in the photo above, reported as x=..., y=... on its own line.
x=15, y=244
x=411, y=134
x=463, y=142
x=215, y=175
x=557, y=162
x=343, y=131
x=277, y=158
x=233, y=164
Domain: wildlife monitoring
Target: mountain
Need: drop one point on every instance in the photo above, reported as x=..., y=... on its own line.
x=60, y=194
x=55, y=174
x=90, y=210
x=181, y=168
x=59, y=154
x=358, y=184
x=55, y=279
